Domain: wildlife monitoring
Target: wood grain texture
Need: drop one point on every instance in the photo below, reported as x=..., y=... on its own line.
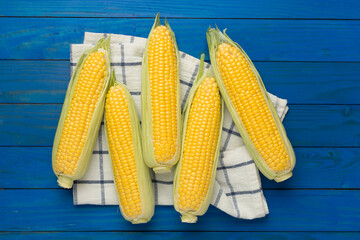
x=29, y=81
x=33, y=81
x=263, y=40
x=30, y=167
x=306, y=125
x=323, y=125
x=306, y=51
x=32, y=125
x=26, y=167
x=332, y=168
x=179, y=235
x=333, y=9
x=52, y=210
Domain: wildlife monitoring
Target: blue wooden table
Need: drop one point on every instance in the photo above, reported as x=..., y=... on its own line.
x=307, y=51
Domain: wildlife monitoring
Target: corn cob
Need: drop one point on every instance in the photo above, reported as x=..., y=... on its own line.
x=132, y=178
x=250, y=107
x=160, y=99
x=196, y=170
x=81, y=114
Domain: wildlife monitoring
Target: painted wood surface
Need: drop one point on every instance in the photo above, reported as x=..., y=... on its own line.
x=263, y=40
x=307, y=125
x=37, y=81
x=331, y=9
x=49, y=210
x=317, y=168
x=179, y=235
x=306, y=51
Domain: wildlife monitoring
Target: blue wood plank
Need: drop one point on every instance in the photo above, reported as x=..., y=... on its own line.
x=306, y=125
x=319, y=83
x=290, y=210
x=33, y=125
x=30, y=167
x=321, y=168
x=33, y=81
x=26, y=167
x=323, y=125
x=264, y=40
x=180, y=235
x=28, y=81
x=333, y=9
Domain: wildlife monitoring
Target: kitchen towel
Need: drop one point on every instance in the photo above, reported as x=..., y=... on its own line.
x=237, y=189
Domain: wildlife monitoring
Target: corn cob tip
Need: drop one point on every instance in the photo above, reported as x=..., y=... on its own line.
x=188, y=218
x=139, y=221
x=162, y=169
x=65, y=182
x=283, y=177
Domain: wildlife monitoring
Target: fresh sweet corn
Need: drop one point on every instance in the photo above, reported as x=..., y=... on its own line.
x=250, y=104
x=160, y=96
x=81, y=114
x=132, y=178
x=195, y=172
x=251, y=108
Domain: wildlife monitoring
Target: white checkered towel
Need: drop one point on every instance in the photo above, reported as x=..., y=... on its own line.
x=237, y=189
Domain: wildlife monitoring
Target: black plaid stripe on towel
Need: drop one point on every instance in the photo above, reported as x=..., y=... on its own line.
x=237, y=189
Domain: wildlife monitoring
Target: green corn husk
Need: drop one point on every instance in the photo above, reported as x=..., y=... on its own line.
x=146, y=115
x=66, y=181
x=142, y=171
x=214, y=38
x=191, y=216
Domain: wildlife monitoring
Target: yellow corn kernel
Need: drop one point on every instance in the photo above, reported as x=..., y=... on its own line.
x=162, y=64
x=243, y=88
x=131, y=175
x=196, y=170
x=120, y=141
x=201, y=140
x=76, y=125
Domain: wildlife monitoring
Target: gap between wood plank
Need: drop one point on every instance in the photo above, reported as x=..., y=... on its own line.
x=290, y=104
x=277, y=189
x=188, y=18
x=175, y=231
x=208, y=61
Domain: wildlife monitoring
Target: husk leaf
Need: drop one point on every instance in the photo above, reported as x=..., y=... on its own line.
x=191, y=216
x=66, y=181
x=142, y=171
x=146, y=115
x=215, y=37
